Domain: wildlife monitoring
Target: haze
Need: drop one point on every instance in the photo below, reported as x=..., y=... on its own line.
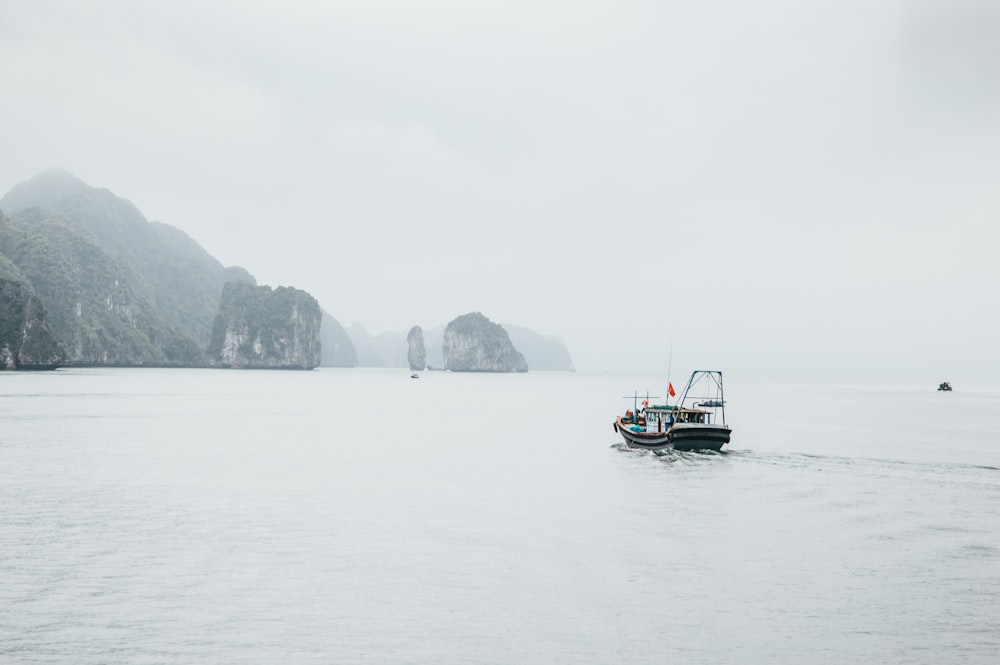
x=774, y=188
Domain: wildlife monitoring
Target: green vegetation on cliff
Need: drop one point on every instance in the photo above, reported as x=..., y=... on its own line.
x=92, y=304
x=258, y=327
x=115, y=288
x=162, y=265
x=25, y=339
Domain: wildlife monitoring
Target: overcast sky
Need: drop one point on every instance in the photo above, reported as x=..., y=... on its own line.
x=785, y=188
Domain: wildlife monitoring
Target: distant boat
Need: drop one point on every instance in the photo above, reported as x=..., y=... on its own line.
x=945, y=386
x=659, y=427
x=414, y=376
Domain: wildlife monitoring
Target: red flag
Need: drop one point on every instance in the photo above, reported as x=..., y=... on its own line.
x=670, y=389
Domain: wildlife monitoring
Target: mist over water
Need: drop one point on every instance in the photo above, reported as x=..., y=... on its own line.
x=774, y=185
x=197, y=516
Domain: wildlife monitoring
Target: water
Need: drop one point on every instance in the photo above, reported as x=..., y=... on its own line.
x=360, y=516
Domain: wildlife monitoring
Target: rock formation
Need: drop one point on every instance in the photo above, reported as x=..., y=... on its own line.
x=25, y=339
x=118, y=289
x=94, y=306
x=473, y=343
x=165, y=271
x=266, y=329
x=416, y=355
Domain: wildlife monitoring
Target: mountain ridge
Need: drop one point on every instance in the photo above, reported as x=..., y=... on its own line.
x=116, y=288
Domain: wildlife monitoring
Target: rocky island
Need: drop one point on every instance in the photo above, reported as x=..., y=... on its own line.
x=261, y=328
x=473, y=343
x=416, y=354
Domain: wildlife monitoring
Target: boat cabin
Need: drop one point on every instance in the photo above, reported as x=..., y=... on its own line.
x=660, y=417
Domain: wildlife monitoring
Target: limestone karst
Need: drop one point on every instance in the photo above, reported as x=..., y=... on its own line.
x=473, y=343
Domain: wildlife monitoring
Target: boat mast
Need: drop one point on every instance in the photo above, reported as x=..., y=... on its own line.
x=670, y=362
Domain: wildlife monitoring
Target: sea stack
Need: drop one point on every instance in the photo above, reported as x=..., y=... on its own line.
x=473, y=343
x=416, y=354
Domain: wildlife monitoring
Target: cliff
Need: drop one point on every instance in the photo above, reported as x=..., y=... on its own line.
x=416, y=355
x=95, y=306
x=25, y=339
x=163, y=270
x=473, y=343
x=261, y=328
x=115, y=288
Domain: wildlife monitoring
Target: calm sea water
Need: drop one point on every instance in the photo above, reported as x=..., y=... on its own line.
x=360, y=516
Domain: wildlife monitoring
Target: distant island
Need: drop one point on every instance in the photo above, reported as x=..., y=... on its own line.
x=473, y=343
x=394, y=348
x=87, y=280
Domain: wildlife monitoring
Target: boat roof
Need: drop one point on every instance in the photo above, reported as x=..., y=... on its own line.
x=672, y=408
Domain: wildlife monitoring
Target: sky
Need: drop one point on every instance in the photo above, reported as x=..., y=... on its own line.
x=770, y=188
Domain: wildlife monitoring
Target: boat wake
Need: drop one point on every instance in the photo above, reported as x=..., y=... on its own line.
x=810, y=461
x=815, y=461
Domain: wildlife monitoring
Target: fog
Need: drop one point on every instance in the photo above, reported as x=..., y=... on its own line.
x=768, y=188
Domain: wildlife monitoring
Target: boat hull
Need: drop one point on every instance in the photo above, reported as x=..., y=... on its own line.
x=681, y=436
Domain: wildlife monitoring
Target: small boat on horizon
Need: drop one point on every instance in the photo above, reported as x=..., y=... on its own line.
x=696, y=422
x=945, y=387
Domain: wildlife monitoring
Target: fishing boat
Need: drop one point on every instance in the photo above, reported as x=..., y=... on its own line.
x=696, y=422
x=945, y=387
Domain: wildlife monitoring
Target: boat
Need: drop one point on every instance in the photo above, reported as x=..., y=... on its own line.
x=696, y=422
x=945, y=386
